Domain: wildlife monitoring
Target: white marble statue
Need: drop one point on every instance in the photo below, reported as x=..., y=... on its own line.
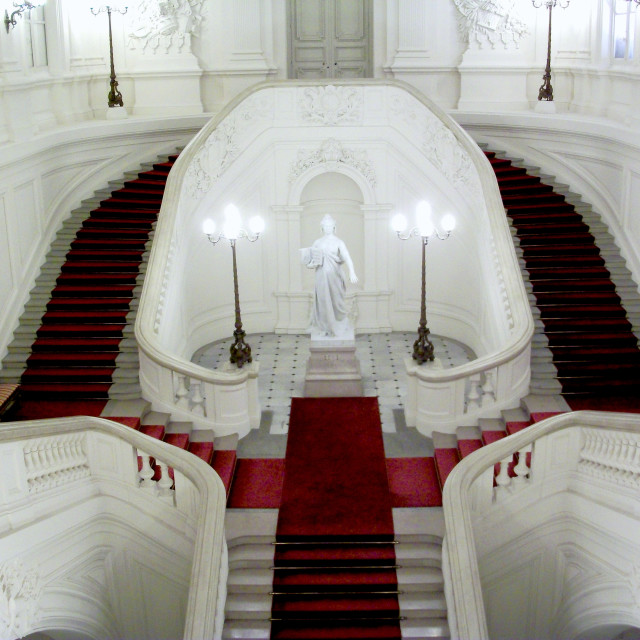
x=326, y=255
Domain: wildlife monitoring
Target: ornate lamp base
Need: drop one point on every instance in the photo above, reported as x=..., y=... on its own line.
x=423, y=347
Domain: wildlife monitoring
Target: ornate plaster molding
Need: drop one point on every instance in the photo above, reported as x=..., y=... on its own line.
x=437, y=142
x=330, y=105
x=165, y=26
x=225, y=143
x=331, y=151
x=20, y=593
x=490, y=22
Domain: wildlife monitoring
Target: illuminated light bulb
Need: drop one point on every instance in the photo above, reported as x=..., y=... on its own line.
x=423, y=218
x=399, y=223
x=426, y=228
x=256, y=224
x=231, y=228
x=448, y=223
x=209, y=226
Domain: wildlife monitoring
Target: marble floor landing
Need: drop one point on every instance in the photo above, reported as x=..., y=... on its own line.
x=283, y=358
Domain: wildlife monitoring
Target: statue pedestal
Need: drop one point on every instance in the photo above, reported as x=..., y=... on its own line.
x=332, y=369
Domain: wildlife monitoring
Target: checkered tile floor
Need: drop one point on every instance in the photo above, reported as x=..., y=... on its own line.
x=283, y=360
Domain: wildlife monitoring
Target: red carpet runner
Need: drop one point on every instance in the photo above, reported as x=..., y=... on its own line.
x=593, y=346
x=74, y=355
x=334, y=571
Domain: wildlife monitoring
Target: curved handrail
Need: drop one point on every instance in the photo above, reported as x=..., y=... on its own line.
x=151, y=346
x=465, y=587
x=202, y=620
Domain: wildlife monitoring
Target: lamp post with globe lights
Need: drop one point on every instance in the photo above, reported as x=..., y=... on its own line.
x=545, y=93
x=232, y=230
x=425, y=229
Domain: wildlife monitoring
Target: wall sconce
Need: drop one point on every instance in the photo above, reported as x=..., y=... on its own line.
x=425, y=229
x=10, y=20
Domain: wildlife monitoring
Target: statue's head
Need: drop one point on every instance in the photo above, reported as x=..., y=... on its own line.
x=328, y=224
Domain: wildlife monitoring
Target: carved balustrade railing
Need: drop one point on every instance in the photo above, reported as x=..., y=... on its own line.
x=42, y=460
x=563, y=451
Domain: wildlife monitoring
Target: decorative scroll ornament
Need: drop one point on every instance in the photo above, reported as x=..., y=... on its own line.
x=165, y=26
x=491, y=21
x=332, y=151
x=225, y=143
x=20, y=593
x=331, y=105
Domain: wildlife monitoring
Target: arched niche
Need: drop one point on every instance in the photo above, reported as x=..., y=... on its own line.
x=338, y=195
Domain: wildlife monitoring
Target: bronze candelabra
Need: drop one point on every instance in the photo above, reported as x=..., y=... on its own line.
x=546, y=90
x=240, y=351
x=425, y=229
x=114, y=98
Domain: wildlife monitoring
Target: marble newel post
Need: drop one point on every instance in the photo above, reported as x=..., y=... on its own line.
x=333, y=368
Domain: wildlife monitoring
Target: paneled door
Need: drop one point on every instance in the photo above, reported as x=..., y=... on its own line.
x=329, y=38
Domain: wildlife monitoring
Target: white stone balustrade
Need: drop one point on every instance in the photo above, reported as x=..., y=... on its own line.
x=48, y=466
x=592, y=456
x=614, y=457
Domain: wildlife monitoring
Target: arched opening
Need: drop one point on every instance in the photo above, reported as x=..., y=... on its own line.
x=340, y=196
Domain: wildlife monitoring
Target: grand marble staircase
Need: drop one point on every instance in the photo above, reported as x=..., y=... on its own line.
x=420, y=586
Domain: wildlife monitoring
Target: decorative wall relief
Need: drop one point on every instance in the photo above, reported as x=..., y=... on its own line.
x=226, y=142
x=490, y=22
x=330, y=105
x=332, y=151
x=20, y=593
x=165, y=26
x=437, y=141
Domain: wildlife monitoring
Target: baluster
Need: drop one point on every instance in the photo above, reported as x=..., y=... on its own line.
x=474, y=395
x=197, y=398
x=146, y=472
x=502, y=479
x=182, y=393
x=488, y=389
x=522, y=468
x=165, y=482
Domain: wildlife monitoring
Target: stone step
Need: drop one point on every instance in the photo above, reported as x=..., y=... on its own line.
x=425, y=605
x=246, y=630
x=423, y=629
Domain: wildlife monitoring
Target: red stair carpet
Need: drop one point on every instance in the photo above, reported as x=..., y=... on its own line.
x=74, y=355
x=593, y=346
x=334, y=574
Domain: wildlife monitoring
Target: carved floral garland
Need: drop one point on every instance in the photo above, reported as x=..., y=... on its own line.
x=165, y=25
x=20, y=593
x=491, y=21
x=225, y=143
x=438, y=143
x=332, y=151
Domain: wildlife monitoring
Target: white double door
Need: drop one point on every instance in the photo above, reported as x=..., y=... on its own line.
x=330, y=38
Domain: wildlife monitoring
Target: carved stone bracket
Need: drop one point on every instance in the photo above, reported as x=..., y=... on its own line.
x=20, y=593
x=490, y=22
x=330, y=105
x=331, y=151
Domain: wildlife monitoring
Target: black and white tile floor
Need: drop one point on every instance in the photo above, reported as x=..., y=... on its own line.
x=283, y=361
